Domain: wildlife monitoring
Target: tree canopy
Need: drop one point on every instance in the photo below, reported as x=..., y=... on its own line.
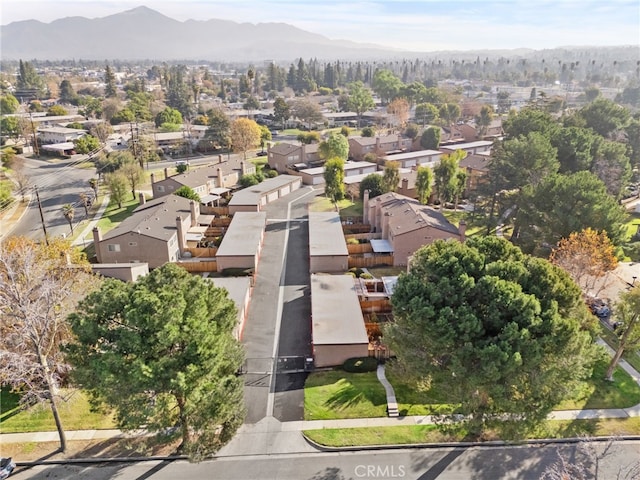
x=563, y=204
x=161, y=353
x=334, y=179
x=335, y=145
x=187, y=192
x=245, y=134
x=505, y=335
x=373, y=183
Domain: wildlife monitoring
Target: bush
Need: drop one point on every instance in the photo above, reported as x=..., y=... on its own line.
x=270, y=173
x=352, y=241
x=360, y=365
x=368, y=132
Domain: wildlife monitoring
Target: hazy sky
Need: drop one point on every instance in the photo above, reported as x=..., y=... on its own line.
x=420, y=25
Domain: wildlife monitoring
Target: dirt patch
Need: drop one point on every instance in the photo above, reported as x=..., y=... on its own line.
x=110, y=448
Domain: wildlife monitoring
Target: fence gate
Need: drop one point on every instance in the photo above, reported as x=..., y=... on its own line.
x=294, y=364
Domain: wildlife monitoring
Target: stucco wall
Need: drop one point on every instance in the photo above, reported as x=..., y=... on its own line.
x=335, y=355
x=328, y=263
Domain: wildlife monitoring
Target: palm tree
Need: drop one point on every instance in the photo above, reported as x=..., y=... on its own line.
x=85, y=203
x=93, y=182
x=68, y=211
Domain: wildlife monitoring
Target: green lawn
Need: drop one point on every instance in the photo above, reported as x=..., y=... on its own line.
x=75, y=414
x=113, y=215
x=633, y=356
x=631, y=227
x=346, y=206
x=339, y=394
x=412, y=401
x=599, y=393
x=347, y=437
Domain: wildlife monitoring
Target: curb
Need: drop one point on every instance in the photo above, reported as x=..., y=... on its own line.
x=464, y=445
x=323, y=448
x=100, y=460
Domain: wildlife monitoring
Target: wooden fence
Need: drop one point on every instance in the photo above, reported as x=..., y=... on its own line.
x=376, y=306
x=221, y=222
x=363, y=236
x=198, y=252
x=213, y=232
x=356, y=228
x=205, y=210
x=369, y=262
x=199, y=267
x=359, y=248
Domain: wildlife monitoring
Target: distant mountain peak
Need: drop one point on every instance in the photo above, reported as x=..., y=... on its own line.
x=160, y=37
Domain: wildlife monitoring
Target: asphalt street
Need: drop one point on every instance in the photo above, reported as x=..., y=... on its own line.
x=478, y=463
x=59, y=183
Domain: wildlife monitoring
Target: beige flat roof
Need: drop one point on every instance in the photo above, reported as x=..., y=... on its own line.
x=335, y=311
x=325, y=234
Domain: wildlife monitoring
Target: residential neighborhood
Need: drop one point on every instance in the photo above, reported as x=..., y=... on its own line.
x=244, y=261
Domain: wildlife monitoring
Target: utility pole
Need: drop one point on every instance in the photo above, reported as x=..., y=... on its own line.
x=133, y=144
x=44, y=227
x=36, y=149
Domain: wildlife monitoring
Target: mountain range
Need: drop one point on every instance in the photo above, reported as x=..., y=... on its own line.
x=142, y=33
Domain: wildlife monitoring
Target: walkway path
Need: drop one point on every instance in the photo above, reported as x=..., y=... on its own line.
x=392, y=404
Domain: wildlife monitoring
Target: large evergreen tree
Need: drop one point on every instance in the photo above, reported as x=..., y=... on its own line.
x=504, y=335
x=161, y=353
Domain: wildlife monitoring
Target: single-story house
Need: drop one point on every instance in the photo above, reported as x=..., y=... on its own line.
x=61, y=149
x=338, y=119
x=239, y=289
x=429, y=158
x=253, y=199
x=337, y=325
x=59, y=134
x=242, y=243
x=315, y=176
x=480, y=146
x=406, y=225
x=327, y=247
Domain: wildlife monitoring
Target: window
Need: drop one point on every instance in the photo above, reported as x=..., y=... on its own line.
x=113, y=247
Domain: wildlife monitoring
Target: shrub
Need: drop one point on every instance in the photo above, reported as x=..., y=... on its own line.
x=360, y=364
x=352, y=241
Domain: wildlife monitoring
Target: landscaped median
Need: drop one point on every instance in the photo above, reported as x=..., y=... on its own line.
x=338, y=394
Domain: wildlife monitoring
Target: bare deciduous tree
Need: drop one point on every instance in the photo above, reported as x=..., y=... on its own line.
x=39, y=286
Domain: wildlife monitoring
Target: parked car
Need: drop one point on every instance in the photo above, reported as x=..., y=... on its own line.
x=6, y=467
x=261, y=154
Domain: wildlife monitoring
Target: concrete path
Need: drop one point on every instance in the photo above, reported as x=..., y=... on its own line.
x=392, y=404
